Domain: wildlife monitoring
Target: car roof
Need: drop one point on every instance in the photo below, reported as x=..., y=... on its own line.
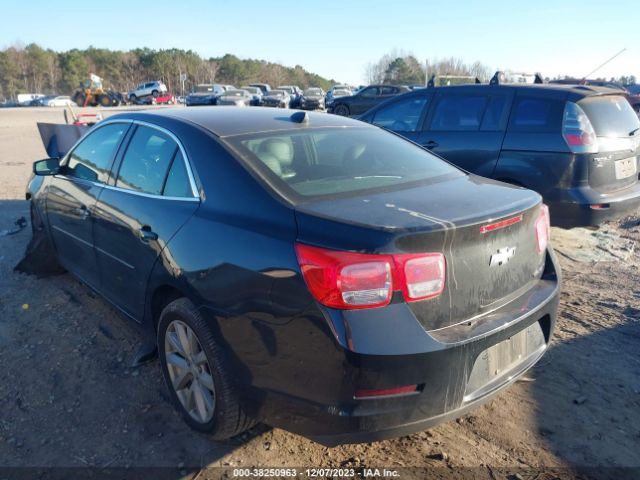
x=230, y=121
x=576, y=90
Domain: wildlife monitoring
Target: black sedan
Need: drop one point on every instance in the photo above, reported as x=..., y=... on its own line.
x=305, y=270
x=364, y=99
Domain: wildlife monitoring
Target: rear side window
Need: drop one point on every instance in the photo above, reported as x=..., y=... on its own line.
x=403, y=115
x=326, y=162
x=177, y=184
x=458, y=113
x=146, y=161
x=388, y=90
x=535, y=114
x=91, y=159
x=611, y=116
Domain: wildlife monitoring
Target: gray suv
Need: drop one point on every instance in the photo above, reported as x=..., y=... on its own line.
x=145, y=89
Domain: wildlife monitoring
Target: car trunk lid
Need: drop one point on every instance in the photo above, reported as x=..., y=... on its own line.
x=485, y=267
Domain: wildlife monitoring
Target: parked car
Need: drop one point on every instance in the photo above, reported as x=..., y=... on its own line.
x=265, y=87
x=390, y=292
x=312, y=99
x=181, y=99
x=335, y=93
x=166, y=99
x=256, y=95
x=205, y=94
x=364, y=99
x=237, y=98
x=276, y=98
x=294, y=95
x=60, y=101
x=145, y=89
x=40, y=101
x=577, y=146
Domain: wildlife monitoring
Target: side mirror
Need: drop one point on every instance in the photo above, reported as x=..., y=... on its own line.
x=49, y=166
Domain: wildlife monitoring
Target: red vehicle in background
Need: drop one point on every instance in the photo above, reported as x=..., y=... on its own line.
x=164, y=99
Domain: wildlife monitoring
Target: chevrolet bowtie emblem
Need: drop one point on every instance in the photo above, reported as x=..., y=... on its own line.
x=502, y=256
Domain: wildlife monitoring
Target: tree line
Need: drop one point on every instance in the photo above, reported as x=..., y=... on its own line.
x=401, y=68
x=34, y=69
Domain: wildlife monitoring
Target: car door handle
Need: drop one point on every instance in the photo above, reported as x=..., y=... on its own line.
x=430, y=144
x=82, y=212
x=146, y=234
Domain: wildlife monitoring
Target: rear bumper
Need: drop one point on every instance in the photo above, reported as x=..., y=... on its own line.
x=574, y=207
x=441, y=363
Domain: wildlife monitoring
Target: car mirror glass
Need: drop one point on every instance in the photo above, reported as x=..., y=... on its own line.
x=49, y=166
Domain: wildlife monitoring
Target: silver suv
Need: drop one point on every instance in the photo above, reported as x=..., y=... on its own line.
x=146, y=89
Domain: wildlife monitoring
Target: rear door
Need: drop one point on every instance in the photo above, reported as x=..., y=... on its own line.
x=617, y=127
x=148, y=200
x=467, y=127
x=72, y=196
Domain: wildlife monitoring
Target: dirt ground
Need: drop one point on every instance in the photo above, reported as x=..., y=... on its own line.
x=68, y=396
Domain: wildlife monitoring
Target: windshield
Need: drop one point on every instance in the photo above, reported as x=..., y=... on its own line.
x=276, y=93
x=253, y=90
x=313, y=91
x=341, y=93
x=233, y=93
x=286, y=89
x=331, y=161
x=610, y=115
x=203, y=89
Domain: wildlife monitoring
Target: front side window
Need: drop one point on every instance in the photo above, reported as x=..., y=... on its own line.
x=458, y=113
x=146, y=161
x=325, y=162
x=369, y=92
x=403, y=115
x=92, y=158
x=388, y=90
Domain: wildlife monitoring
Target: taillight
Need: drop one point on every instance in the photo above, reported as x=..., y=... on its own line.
x=347, y=280
x=577, y=130
x=424, y=275
x=543, y=229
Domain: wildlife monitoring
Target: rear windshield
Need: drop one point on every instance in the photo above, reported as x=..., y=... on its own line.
x=331, y=161
x=611, y=115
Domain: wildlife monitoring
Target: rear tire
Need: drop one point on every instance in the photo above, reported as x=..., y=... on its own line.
x=342, y=110
x=198, y=374
x=104, y=100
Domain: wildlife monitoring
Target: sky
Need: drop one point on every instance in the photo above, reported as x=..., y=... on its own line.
x=338, y=39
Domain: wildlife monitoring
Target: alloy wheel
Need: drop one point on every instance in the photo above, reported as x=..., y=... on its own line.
x=189, y=371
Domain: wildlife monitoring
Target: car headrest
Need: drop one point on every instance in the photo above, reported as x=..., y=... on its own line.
x=272, y=162
x=280, y=149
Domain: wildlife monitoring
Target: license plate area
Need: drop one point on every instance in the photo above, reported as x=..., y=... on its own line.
x=625, y=168
x=501, y=362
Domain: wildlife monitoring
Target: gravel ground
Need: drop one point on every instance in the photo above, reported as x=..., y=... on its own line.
x=70, y=398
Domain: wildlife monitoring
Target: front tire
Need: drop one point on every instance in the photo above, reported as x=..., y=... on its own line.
x=342, y=110
x=154, y=94
x=197, y=373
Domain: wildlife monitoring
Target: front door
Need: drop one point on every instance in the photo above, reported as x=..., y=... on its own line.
x=71, y=198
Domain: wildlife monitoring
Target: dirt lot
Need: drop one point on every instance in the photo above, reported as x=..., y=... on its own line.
x=69, y=397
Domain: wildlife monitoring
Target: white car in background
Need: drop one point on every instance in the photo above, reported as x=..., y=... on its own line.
x=145, y=89
x=60, y=101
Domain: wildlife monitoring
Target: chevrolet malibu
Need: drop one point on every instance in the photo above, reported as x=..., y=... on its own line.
x=308, y=271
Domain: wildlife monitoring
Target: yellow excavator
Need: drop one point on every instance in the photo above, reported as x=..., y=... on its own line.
x=92, y=93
